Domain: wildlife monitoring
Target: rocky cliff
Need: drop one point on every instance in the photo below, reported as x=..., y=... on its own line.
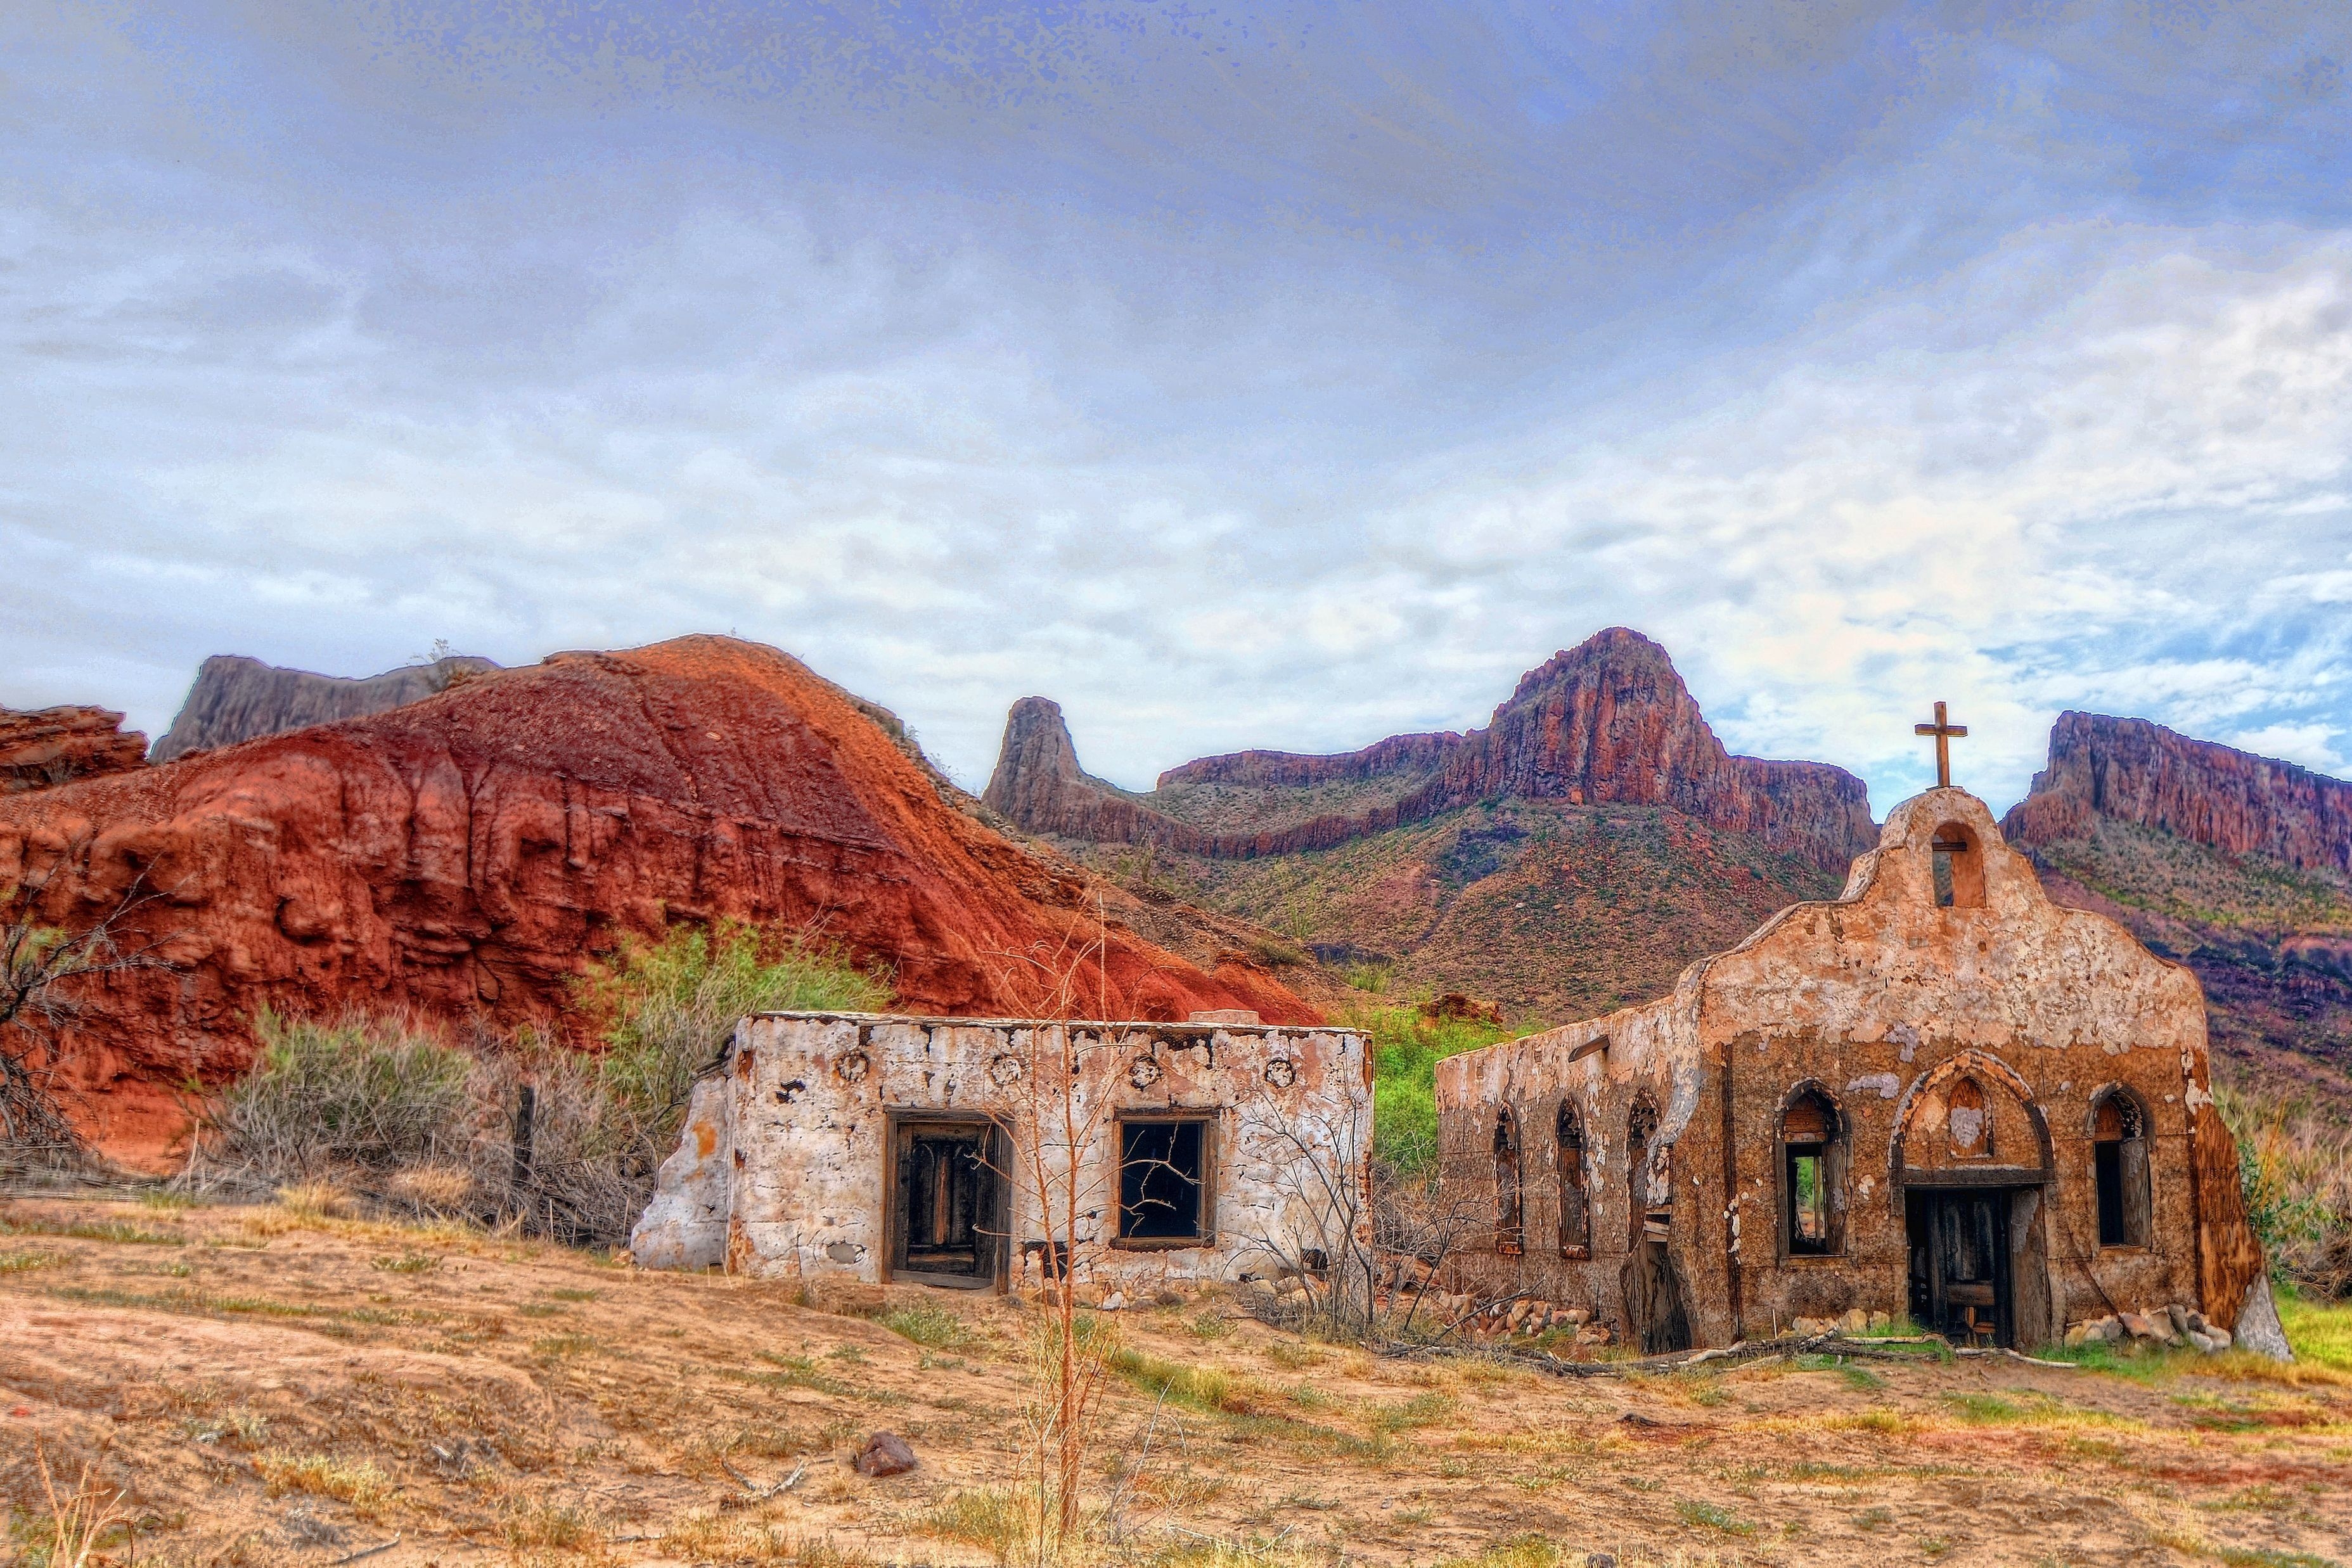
x=238, y=698
x=468, y=853
x=50, y=746
x=1568, y=858
x=1607, y=722
x=2128, y=770
x=2237, y=865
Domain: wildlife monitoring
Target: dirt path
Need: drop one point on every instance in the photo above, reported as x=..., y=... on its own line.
x=270, y=1387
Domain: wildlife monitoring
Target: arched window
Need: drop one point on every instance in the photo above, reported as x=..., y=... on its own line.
x=2119, y=1166
x=1507, y=1228
x=1959, y=868
x=1641, y=1125
x=1575, y=1211
x=1969, y=1121
x=1813, y=1172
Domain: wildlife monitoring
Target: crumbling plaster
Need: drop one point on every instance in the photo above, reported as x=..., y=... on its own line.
x=781, y=1168
x=1866, y=996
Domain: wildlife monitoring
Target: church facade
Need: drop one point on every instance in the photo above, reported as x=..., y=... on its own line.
x=1939, y=1094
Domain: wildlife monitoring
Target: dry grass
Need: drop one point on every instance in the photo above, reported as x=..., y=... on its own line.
x=311, y=1385
x=2294, y=1156
x=357, y=1482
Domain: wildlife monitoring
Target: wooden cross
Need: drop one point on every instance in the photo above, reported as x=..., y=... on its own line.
x=1943, y=731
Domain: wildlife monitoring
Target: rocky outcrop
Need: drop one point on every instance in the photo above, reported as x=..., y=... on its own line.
x=1609, y=721
x=50, y=746
x=236, y=699
x=2233, y=864
x=2130, y=770
x=467, y=854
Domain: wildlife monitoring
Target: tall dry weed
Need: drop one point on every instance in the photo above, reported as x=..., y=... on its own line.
x=2295, y=1159
x=410, y=1116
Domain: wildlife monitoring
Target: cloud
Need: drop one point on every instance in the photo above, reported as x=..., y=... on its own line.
x=1276, y=383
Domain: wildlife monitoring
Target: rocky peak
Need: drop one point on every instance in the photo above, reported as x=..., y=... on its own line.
x=1607, y=720
x=51, y=746
x=238, y=698
x=2133, y=770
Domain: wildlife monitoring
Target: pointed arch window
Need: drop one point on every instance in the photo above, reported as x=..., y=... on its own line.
x=1575, y=1205
x=1641, y=1193
x=1813, y=1175
x=1509, y=1227
x=2119, y=1168
x=1969, y=1121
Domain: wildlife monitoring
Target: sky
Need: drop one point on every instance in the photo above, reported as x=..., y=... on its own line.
x=1238, y=377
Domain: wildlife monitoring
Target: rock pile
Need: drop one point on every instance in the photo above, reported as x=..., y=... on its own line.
x=2173, y=1325
x=1483, y=1321
x=1855, y=1322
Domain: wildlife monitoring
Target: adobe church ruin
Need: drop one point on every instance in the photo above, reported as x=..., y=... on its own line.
x=1937, y=1093
x=957, y=1151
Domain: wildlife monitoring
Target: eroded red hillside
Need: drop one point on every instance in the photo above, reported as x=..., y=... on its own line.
x=469, y=853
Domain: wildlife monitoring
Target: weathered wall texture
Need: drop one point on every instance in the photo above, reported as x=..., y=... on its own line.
x=1879, y=1000
x=781, y=1171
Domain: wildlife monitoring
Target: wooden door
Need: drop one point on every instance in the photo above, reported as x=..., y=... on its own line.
x=946, y=1220
x=1959, y=1264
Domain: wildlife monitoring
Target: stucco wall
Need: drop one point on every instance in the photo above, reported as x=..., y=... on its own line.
x=1867, y=997
x=780, y=1169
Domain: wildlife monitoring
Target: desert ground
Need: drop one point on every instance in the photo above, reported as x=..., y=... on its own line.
x=280, y=1384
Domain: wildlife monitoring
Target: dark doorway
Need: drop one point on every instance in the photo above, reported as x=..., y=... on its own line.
x=947, y=1222
x=1959, y=1263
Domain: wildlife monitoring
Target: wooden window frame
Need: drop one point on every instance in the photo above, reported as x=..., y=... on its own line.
x=1206, y=1236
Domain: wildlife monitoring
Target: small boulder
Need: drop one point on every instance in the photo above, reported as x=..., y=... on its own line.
x=2077, y=1335
x=1114, y=1302
x=885, y=1454
x=1855, y=1322
x=2139, y=1327
x=1879, y=1322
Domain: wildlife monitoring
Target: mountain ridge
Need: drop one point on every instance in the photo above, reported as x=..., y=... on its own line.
x=1607, y=722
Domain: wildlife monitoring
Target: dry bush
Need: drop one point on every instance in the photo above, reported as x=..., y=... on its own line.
x=395, y=1113
x=2296, y=1160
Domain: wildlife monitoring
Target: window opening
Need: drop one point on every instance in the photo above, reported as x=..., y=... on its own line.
x=1507, y=1228
x=1809, y=1137
x=1575, y=1211
x=2119, y=1165
x=1641, y=1123
x=1162, y=1180
x=1958, y=873
x=1969, y=1121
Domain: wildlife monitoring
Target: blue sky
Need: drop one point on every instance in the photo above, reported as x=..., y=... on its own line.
x=1266, y=376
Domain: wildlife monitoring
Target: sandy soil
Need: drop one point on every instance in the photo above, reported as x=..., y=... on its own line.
x=268, y=1386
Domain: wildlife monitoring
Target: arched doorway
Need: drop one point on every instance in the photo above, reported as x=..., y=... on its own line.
x=1972, y=1157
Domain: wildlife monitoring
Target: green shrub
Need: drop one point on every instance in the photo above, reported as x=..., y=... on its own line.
x=1406, y=1049
x=404, y=1119
x=667, y=1008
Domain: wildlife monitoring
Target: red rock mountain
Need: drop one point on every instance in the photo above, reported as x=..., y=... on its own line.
x=236, y=699
x=2238, y=865
x=50, y=746
x=2129, y=769
x=468, y=853
x=1607, y=722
